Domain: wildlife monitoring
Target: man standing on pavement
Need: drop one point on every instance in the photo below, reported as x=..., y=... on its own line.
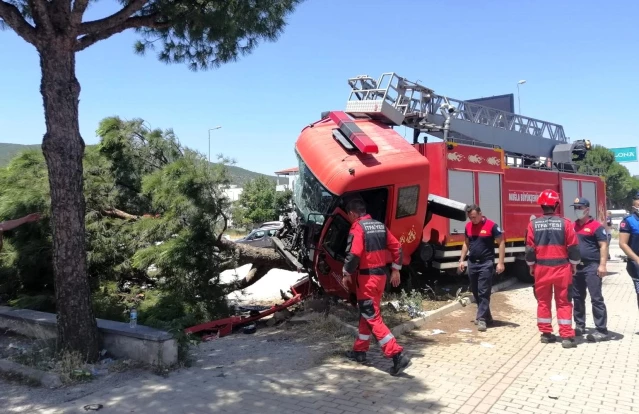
x=366, y=248
x=552, y=252
x=629, y=242
x=479, y=244
x=593, y=248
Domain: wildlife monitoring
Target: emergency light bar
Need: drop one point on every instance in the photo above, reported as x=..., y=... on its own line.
x=353, y=134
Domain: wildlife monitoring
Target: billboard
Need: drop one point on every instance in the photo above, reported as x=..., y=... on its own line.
x=500, y=102
x=626, y=154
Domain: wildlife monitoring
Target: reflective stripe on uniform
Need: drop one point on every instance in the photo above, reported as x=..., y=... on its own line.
x=364, y=337
x=564, y=321
x=385, y=339
x=544, y=320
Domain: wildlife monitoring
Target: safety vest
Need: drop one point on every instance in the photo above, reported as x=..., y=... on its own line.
x=554, y=242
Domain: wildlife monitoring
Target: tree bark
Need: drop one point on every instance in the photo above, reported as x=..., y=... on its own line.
x=63, y=149
x=263, y=260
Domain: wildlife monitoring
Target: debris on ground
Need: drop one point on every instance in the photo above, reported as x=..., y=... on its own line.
x=41, y=355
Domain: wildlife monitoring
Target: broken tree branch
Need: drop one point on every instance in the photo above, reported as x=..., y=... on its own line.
x=14, y=19
x=115, y=213
x=263, y=260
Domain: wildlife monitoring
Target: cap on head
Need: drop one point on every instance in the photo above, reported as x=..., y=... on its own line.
x=548, y=198
x=580, y=202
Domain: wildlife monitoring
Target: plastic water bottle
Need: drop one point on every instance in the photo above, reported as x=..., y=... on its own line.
x=133, y=322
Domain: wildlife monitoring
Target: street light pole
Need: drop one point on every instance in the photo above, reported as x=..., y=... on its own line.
x=211, y=129
x=521, y=82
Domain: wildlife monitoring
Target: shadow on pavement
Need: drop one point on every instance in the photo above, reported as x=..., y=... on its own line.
x=265, y=373
x=502, y=324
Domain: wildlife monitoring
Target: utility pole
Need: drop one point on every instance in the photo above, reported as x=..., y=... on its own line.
x=211, y=129
x=521, y=82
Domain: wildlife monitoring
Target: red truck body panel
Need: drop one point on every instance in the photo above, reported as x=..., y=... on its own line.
x=473, y=174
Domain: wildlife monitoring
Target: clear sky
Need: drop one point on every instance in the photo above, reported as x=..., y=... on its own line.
x=580, y=60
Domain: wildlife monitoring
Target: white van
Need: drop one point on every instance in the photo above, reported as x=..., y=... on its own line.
x=617, y=216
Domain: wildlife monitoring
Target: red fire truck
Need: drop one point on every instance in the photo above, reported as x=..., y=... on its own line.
x=499, y=160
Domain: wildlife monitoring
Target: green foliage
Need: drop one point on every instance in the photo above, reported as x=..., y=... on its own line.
x=150, y=202
x=619, y=184
x=237, y=175
x=9, y=151
x=283, y=201
x=26, y=255
x=207, y=33
x=257, y=203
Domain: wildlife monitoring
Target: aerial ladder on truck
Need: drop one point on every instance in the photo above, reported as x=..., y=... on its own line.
x=526, y=141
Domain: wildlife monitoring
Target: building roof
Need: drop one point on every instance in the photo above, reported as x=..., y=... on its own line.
x=288, y=171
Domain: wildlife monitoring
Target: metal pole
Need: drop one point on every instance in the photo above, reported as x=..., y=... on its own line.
x=518, y=111
x=521, y=82
x=211, y=129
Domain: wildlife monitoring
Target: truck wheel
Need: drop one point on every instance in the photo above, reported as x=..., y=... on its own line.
x=520, y=271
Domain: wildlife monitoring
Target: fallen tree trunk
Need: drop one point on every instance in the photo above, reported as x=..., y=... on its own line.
x=262, y=259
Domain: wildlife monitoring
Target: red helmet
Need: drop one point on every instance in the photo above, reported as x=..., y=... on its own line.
x=548, y=198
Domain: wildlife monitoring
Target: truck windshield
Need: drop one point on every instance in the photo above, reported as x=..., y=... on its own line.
x=311, y=196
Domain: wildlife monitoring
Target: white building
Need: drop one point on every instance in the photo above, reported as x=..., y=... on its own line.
x=290, y=178
x=233, y=192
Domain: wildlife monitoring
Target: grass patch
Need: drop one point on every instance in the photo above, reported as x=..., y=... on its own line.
x=329, y=331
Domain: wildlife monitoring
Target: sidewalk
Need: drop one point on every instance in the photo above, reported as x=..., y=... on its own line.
x=504, y=370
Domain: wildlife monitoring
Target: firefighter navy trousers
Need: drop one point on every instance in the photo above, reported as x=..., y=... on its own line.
x=370, y=289
x=481, y=284
x=586, y=277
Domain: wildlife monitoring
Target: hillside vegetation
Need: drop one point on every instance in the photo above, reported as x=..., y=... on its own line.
x=238, y=176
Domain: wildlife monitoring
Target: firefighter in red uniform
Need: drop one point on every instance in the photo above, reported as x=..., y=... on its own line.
x=552, y=252
x=366, y=252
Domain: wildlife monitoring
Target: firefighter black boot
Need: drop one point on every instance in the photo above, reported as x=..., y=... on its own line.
x=548, y=338
x=400, y=363
x=358, y=356
x=568, y=343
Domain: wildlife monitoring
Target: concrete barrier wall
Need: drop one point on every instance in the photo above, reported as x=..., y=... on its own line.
x=141, y=343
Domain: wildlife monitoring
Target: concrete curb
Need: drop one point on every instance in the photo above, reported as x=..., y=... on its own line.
x=444, y=310
x=46, y=379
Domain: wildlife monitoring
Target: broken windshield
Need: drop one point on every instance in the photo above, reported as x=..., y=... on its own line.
x=311, y=196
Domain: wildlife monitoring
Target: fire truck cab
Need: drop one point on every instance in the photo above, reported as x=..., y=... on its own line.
x=339, y=159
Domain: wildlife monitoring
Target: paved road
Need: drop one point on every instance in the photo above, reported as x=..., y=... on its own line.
x=504, y=370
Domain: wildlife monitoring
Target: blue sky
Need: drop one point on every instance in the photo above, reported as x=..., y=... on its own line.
x=580, y=60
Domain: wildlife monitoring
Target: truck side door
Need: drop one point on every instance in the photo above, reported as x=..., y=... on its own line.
x=332, y=253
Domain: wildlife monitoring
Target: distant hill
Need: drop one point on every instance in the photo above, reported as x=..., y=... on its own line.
x=8, y=151
x=239, y=176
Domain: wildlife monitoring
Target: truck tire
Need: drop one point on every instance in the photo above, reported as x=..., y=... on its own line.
x=520, y=271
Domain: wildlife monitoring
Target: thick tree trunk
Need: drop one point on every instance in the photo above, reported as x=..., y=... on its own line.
x=263, y=260
x=63, y=149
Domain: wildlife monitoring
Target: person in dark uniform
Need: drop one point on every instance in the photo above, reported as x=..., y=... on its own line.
x=479, y=244
x=629, y=243
x=593, y=248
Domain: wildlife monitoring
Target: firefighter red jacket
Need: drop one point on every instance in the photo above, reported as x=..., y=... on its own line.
x=367, y=246
x=552, y=247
